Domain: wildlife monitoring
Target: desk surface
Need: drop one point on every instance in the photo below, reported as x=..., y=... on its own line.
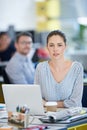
x=51, y=126
x=34, y=121
x=4, y=123
x=3, y=63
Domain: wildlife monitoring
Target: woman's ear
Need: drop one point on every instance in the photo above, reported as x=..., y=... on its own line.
x=47, y=46
x=66, y=47
x=16, y=45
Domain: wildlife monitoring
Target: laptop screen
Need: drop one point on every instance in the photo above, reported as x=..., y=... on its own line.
x=20, y=95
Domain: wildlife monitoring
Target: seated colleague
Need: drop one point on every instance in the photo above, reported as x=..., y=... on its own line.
x=61, y=80
x=20, y=68
x=7, y=48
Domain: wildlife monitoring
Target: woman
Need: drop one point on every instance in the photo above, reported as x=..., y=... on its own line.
x=61, y=80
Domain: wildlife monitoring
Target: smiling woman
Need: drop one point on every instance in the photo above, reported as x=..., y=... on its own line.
x=61, y=80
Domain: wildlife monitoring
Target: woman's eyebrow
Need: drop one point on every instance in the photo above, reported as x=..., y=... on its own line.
x=59, y=43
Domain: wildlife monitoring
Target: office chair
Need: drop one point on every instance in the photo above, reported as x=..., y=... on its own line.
x=84, y=98
x=5, y=76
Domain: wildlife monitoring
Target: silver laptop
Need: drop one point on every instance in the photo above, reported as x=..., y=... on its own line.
x=20, y=95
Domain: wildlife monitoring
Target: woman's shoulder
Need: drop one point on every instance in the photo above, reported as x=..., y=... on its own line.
x=42, y=64
x=77, y=65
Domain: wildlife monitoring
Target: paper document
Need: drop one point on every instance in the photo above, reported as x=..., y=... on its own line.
x=65, y=115
x=3, y=112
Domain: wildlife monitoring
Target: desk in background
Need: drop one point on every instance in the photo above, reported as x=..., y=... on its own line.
x=2, y=66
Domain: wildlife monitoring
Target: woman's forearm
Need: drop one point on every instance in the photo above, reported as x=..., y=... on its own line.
x=60, y=104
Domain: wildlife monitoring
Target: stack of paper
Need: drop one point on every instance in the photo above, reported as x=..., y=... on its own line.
x=65, y=115
x=3, y=112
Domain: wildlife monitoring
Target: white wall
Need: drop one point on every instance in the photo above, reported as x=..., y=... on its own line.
x=20, y=13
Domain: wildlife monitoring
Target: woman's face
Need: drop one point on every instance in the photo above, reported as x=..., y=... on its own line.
x=56, y=47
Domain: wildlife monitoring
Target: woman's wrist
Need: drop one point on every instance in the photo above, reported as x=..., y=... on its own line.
x=44, y=102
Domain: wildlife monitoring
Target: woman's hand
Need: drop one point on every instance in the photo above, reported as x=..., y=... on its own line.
x=44, y=102
x=60, y=104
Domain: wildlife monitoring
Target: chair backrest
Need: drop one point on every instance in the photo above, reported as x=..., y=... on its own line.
x=84, y=98
x=5, y=76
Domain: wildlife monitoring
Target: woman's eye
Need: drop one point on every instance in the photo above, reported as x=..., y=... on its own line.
x=59, y=45
x=51, y=45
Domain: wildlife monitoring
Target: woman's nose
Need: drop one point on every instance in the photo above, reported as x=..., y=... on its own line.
x=55, y=48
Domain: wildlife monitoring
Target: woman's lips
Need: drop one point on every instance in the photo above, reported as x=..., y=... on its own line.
x=55, y=54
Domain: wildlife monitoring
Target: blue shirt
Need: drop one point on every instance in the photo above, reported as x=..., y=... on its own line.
x=20, y=69
x=69, y=90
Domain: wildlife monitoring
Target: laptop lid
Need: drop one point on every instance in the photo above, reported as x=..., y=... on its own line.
x=19, y=95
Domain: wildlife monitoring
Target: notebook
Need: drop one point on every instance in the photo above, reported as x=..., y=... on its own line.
x=20, y=95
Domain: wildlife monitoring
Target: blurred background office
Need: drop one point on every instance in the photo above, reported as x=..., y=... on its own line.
x=41, y=16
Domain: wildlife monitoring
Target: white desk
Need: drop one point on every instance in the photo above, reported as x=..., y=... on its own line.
x=1, y=79
x=3, y=63
x=81, y=124
x=36, y=122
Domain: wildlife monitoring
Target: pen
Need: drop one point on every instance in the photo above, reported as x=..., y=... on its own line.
x=42, y=127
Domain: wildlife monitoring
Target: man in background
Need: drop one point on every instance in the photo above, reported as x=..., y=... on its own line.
x=20, y=68
x=7, y=48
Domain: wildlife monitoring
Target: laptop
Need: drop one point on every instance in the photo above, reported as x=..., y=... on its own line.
x=20, y=95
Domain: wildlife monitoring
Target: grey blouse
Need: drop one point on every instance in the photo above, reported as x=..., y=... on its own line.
x=69, y=90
